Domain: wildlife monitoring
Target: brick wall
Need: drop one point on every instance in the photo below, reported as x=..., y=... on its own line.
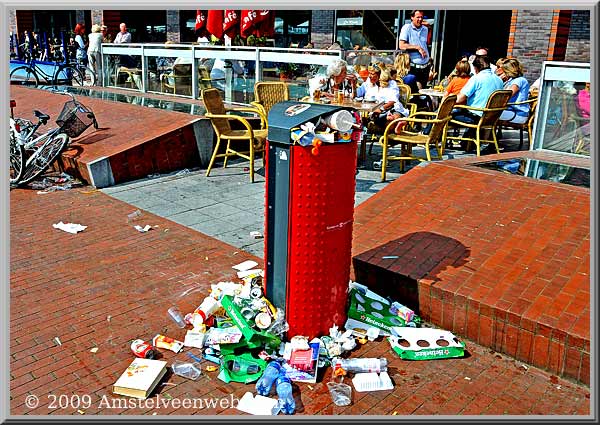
x=578, y=45
x=529, y=39
x=322, y=28
x=173, y=33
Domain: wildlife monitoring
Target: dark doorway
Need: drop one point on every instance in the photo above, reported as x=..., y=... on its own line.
x=465, y=30
x=147, y=27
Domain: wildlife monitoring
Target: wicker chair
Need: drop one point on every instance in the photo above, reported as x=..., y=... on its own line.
x=488, y=121
x=404, y=97
x=253, y=140
x=267, y=94
x=179, y=80
x=527, y=125
x=407, y=139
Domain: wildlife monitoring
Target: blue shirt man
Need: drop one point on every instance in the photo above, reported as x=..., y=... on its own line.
x=478, y=89
x=413, y=39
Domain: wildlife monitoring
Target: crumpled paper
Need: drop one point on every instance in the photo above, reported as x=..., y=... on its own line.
x=69, y=227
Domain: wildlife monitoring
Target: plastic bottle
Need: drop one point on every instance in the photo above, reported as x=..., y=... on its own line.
x=265, y=382
x=362, y=365
x=205, y=310
x=287, y=404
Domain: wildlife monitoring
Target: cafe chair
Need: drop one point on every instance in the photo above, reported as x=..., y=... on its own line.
x=527, y=125
x=245, y=143
x=204, y=77
x=408, y=139
x=488, y=121
x=267, y=94
x=179, y=80
x=404, y=96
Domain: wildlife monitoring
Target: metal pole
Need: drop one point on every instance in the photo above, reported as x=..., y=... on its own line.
x=442, y=47
x=194, y=73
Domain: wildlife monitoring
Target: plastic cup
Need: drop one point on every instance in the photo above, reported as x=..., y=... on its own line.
x=186, y=369
x=341, y=394
x=177, y=317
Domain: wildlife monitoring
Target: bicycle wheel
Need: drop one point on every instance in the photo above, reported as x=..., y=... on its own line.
x=89, y=76
x=17, y=158
x=24, y=76
x=68, y=75
x=47, y=151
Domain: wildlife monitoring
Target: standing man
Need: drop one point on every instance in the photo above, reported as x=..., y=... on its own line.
x=413, y=38
x=123, y=36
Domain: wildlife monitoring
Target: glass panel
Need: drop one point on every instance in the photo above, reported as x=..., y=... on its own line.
x=541, y=170
x=567, y=126
x=123, y=71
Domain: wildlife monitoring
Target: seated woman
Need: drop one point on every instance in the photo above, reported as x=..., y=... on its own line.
x=402, y=67
x=511, y=73
x=336, y=78
x=460, y=76
x=379, y=88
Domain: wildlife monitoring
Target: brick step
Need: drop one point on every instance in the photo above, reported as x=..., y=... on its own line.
x=132, y=142
x=503, y=262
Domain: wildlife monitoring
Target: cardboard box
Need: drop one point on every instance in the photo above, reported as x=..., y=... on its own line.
x=440, y=344
x=254, y=338
x=367, y=309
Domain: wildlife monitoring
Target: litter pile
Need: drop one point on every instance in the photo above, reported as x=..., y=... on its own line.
x=239, y=332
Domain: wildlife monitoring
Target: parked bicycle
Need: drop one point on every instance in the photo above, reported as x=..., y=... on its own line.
x=31, y=153
x=72, y=73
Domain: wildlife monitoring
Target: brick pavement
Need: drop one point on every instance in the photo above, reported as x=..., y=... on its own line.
x=111, y=284
x=500, y=259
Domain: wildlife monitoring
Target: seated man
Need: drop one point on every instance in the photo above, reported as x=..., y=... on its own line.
x=476, y=92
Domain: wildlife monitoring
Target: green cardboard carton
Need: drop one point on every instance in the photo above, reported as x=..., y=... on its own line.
x=367, y=309
x=425, y=344
x=253, y=337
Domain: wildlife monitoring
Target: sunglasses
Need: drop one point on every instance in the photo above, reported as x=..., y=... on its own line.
x=374, y=68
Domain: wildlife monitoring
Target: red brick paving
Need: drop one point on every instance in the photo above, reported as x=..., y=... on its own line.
x=110, y=284
x=156, y=141
x=499, y=259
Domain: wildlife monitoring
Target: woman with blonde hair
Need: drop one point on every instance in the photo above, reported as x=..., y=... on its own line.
x=511, y=73
x=402, y=67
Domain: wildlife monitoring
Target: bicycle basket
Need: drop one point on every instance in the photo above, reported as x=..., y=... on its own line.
x=74, y=118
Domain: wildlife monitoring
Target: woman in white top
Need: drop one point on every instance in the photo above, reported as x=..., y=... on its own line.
x=93, y=53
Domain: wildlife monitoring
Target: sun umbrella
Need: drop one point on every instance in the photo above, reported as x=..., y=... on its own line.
x=247, y=22
x=200, y=27
x=264, y=24
x=231, y=23
x=214, y=23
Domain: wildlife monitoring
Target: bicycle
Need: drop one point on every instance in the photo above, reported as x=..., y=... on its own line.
x=39, y=151
x=17, y=151
x=73, y=73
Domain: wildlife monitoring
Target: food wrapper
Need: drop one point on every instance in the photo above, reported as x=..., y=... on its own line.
x=162, y=341
x=229, y=335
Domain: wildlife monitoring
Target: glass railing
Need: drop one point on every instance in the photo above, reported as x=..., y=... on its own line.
x=185, y=69
x=563, y=117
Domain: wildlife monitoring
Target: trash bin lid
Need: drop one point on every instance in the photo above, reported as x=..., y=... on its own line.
x=284, y=116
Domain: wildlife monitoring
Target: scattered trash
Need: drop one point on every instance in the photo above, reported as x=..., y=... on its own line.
x=183, y=172
x=57, y=341
x=341, y=394
x=53, y=183
x=211, y=368
x=256, y=235
x=69, y=227
x=81, y=412
x=198, y=359
x=134, y=216
x=310, y=387
x=194, y=339
x=361, y=365
x=372, y=382
x=162, y=341
x=243, y=368
x=142, y=349
x=258, y=404
x=94, y=350
x=523, y=367
x=186, y=369
x=246, y=265
x=467, y=378
x=176, y=315
x=142, y=229
x=153, y=176
x=108, y=318
x=389, y=257
x=425, y=344
x=558, y=387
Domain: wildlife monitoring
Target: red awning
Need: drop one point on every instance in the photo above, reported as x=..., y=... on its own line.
x=200, y=27
x=231, y=23
x=264, y=24
x=247, y=22
x=214, y=23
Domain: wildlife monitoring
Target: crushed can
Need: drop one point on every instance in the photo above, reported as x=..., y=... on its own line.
x=142, y=349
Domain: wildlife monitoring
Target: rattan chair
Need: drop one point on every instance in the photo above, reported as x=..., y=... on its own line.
x=527, y=125
x=487, y=122
x=267, y=94
x=179, y=80
x=407, y=139
x=404, y=97
x=253, y=141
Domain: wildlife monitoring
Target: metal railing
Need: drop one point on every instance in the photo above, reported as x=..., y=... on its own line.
x=184, y=69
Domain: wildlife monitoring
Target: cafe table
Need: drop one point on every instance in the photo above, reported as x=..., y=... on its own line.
x=435, y=95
